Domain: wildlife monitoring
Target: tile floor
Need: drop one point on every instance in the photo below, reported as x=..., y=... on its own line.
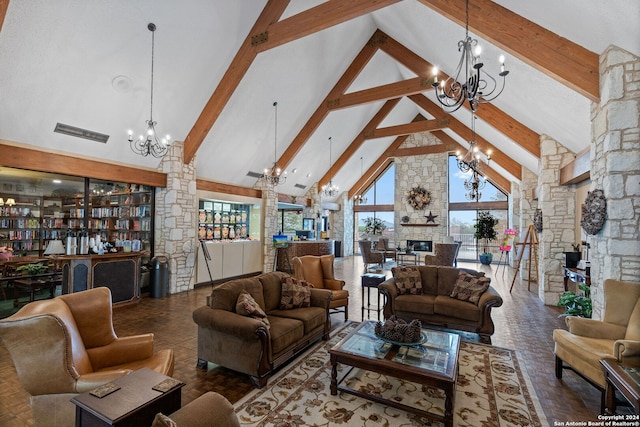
x=522, y=323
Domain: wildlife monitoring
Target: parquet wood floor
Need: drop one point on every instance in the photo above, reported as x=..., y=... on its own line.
x=522, y=323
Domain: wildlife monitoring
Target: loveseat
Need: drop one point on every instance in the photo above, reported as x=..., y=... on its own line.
x=249, y=344
x=433, y=304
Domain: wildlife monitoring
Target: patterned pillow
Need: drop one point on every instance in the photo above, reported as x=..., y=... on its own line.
x=470, y=288
x=408, y=280
x=295, y=293
x=247, y=306
x=162, y=420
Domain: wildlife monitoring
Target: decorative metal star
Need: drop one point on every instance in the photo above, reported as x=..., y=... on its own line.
x=431, y=217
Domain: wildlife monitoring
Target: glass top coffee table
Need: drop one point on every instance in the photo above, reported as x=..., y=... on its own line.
x=432, y=363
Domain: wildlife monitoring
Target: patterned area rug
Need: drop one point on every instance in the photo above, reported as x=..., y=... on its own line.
x=492, y=390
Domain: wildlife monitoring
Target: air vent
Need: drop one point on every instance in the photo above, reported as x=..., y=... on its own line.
x=81, y=133
x=254, y=174
x=300, y=186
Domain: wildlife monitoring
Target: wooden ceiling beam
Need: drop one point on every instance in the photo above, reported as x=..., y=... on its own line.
x=510, y=165
x=230, y=80
x=313, y=20
x=422, y=150
x=16, y=156
x=4, y=5
x=409, y=128
x=501, y=121
x=380, y=93
x=358, y=140
x=220, y=187
x=357, y=65
x=555, y=56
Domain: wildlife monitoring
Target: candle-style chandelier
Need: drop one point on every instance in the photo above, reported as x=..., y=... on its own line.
x=148, y=143
x=330, y=190
x=471, y=164
x=360, y=198
x=274, y=175
x=469, y=82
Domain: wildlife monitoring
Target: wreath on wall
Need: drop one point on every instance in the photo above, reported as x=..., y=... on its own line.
x=594, y=212
x=419, y=198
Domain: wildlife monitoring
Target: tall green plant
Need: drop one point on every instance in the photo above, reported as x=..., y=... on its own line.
x=576, y=304
x=485, y=227
x=374, y=225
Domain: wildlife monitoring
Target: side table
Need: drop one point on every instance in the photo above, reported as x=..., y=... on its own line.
x=625, y=379
x=136, y=403
x=408, y=255
x=368, y=281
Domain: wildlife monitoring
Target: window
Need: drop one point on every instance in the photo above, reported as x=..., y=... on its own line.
x=380, y=204
x=463, y=213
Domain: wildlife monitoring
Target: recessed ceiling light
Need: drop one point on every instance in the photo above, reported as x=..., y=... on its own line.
x=57, y=181
x=294, y=170
x=309, y=175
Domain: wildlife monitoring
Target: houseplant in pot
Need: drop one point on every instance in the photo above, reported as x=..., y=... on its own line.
x=373, y=226
x=485, y=227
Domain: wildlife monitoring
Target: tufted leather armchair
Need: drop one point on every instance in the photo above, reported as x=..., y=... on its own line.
x=66, y=345
x=616, y=336
x=318, y=270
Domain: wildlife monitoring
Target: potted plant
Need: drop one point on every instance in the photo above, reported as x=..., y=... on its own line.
x=374, y=226
x=33, y=269
x=485, y=227
x=577, y=304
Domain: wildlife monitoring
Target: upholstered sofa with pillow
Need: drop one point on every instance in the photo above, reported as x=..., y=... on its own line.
x=253, y=325
x=447, y=297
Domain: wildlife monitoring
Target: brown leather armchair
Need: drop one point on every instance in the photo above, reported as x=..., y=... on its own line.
x=66, y=345
x=318, y=270
x=444, y=254
x=616, y=336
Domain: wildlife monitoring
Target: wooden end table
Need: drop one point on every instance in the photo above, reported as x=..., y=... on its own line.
x=625, y=379
x=136, y=403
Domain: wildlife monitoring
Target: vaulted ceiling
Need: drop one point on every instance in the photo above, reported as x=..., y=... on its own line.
x=355, y=71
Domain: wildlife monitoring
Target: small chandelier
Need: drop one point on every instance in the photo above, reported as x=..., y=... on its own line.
x=472, y=162
x=330, y=190
x=477, y=87
x=360, y=198
x=274, y=175
x=148, y=143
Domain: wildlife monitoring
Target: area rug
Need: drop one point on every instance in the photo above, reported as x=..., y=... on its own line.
x=493, y=389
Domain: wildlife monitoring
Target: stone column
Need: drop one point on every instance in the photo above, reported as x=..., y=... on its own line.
x=615, y=156
x=558, y=218
x=348, y=229
x=176, y=216
x=528, y=207
x=514, y=216
x=270, y=224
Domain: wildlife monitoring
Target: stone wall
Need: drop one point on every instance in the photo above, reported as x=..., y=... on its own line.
x=431, y=172
x=270, y=224
x=558, y=218
x=527, y=209
x=615, y=156
x=175, y=220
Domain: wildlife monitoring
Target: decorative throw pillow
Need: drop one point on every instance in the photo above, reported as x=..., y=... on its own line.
x=162, y=420
x=295, y=294
x=470, y=288
x=247, y=306
x=408, y=280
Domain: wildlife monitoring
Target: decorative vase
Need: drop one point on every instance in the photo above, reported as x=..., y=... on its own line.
x=486, y=258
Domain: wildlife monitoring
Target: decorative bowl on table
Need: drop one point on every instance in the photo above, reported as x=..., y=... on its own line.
x=398, y=332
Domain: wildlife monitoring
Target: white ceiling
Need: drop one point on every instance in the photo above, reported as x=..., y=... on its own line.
x=58, y=61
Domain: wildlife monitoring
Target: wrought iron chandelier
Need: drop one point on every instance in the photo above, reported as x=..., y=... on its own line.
x=360, y=198
x=274, y=175
x=148, y=143
x=471, y=161
x=469, y=82
x=330, y=190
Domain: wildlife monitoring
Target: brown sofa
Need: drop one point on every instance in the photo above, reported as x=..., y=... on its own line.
x=436, y=307
x=210, y=409
x=246, y=344
x=67, y=345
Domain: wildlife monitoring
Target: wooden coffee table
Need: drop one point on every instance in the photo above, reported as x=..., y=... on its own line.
x=434, y=363
x=136, y=403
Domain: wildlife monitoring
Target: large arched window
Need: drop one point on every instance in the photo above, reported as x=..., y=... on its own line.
x=380, y=204
x=463, y=213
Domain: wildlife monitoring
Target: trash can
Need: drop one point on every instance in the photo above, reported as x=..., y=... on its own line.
x=159, y=277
